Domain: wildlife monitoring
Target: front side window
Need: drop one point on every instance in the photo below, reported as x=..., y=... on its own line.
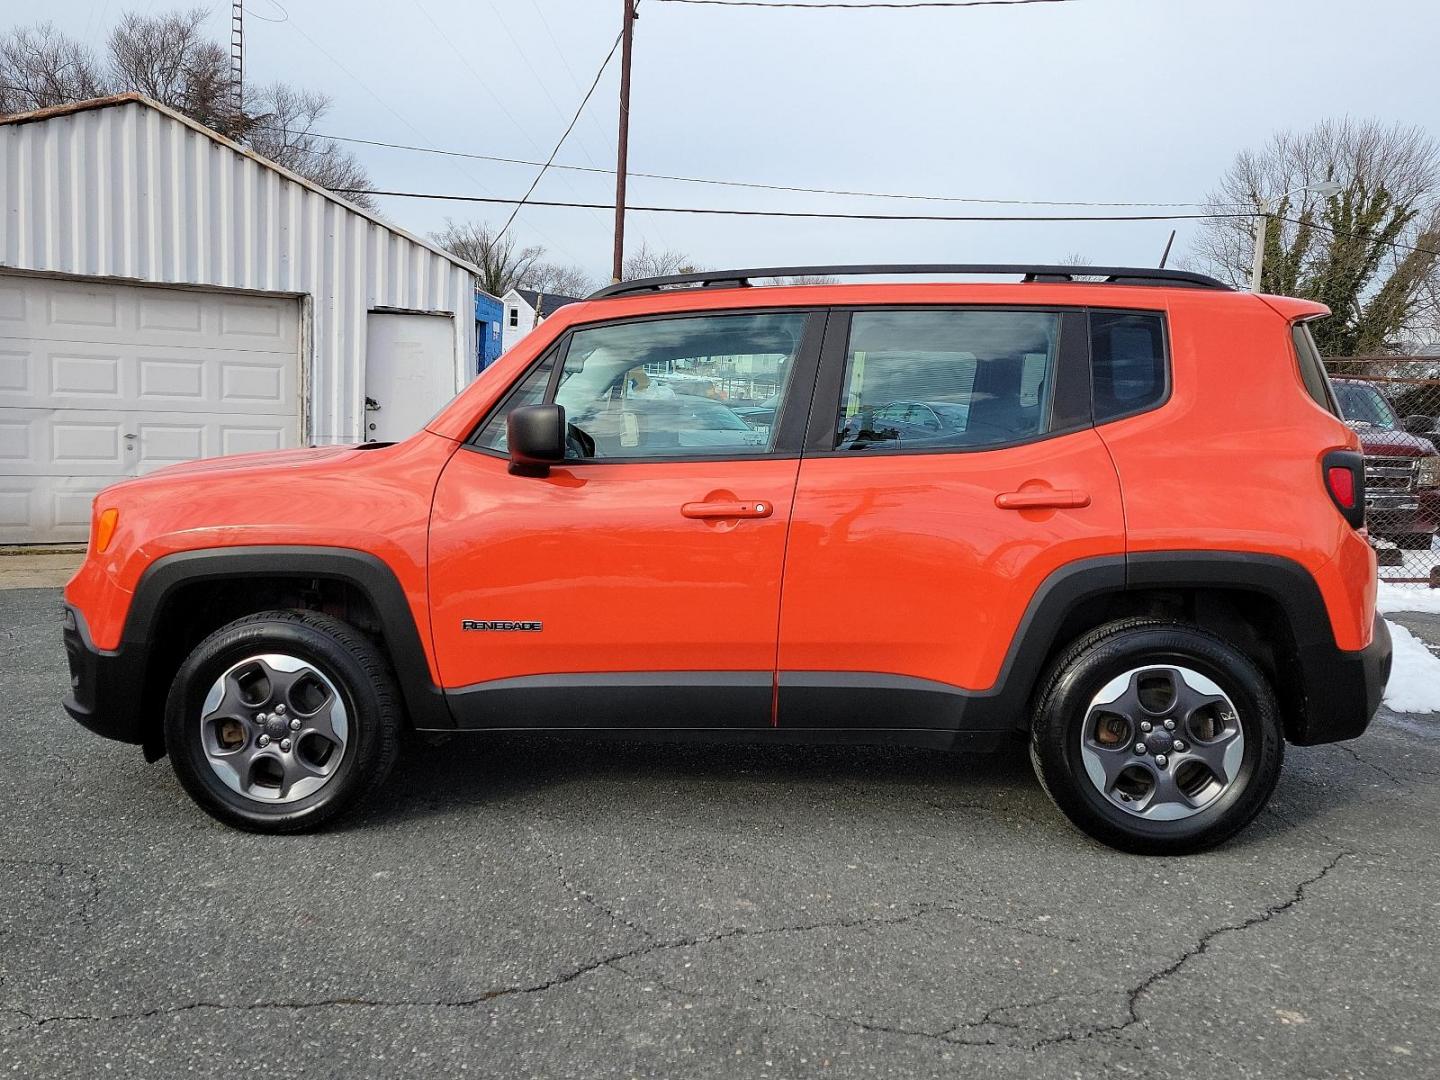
x=698, y=386
x=939, y=379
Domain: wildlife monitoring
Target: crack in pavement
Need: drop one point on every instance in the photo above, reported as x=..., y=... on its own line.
x=991, y=1018
x=613, y=960
x=585, y=894
x=946, y=1035
x=1154, y=979
x=1404, y=783
x=61, y=868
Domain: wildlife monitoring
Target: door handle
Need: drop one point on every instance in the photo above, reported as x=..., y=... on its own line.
x=737, y=509
x=1043, y=499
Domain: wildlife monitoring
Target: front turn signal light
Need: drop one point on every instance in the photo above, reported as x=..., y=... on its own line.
x=105, y=529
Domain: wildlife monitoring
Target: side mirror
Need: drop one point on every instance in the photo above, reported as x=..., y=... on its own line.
x=536, y=437
x=1418, y=425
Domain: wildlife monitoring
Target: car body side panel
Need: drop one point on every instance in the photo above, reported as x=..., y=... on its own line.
x=375, y=501
x=902, y=564
x=601, y=557
x=1232, y=462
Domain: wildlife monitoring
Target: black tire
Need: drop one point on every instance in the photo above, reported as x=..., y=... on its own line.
x=1413, y=541
x=358, y=671
x=1111, y=650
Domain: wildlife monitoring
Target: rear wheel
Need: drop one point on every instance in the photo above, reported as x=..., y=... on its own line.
x=1156, y=737
x=281, y=720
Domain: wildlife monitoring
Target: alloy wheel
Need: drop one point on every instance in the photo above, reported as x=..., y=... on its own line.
x=1162, y=742
x=274, y=728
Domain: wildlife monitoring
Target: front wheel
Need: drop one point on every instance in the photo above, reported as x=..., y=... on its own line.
x=281, y=720
x=1156, y=737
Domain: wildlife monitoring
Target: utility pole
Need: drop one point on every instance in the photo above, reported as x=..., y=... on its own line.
x=1257, y=261
x=623, y=142
x=1326, y=189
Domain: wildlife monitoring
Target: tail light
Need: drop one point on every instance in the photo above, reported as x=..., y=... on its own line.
x=1344, y=472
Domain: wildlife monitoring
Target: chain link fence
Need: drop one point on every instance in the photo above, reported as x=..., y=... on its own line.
x=1393, y=403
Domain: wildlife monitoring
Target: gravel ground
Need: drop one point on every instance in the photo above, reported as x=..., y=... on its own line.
x=519, y=908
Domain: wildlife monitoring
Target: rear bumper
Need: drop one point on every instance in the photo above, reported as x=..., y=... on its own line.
x=1342, y=689
x=104, y=686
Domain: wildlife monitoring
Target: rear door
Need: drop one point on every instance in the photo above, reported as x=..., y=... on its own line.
x=637, y=585
x=914, y=552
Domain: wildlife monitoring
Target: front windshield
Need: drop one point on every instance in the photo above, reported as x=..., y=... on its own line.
x=1365, y=404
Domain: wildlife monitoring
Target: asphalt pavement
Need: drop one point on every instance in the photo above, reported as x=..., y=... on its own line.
x=534, y=908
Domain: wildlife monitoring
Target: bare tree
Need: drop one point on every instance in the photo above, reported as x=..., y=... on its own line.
x=502, y=263
x=805, y=279
x=643, y=263
x=1075, y=258
x=280, y=122
x=558, y=279
x=170, y=58
x=1370, y=252
x=40, y=67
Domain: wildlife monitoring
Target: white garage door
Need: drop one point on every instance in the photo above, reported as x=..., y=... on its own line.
x=101, y=381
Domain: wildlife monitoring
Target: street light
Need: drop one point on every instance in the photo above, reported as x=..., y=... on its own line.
x=1325, y=188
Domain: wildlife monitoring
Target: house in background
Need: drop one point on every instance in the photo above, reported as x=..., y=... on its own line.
x=166, y=294
x=526, y=309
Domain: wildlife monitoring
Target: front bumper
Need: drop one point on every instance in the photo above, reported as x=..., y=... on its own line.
x=1342, y=689
x=104, y=686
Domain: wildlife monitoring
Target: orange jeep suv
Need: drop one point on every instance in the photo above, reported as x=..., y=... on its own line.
x=1120, y=519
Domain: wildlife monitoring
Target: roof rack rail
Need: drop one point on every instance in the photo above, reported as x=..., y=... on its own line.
x=735, y=279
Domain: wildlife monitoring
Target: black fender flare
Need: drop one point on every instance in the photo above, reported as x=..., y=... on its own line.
x=367, y=572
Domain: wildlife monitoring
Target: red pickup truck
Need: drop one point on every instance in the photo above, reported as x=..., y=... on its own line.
x=1402, y=470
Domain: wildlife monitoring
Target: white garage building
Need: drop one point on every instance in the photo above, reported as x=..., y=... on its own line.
x=166, y=295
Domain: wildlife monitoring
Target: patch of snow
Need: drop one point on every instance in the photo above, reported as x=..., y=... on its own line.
x=1390, y=598
x=1414, y=685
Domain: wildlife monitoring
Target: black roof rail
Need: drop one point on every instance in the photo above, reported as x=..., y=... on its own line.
x=734, y=279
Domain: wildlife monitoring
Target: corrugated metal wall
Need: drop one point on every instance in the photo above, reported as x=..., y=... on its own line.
x=127, y=191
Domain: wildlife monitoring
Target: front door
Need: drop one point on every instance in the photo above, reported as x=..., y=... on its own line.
x=647, y=567
x=951, y=468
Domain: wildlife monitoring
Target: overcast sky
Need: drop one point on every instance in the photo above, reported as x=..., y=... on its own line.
x=1100, y=100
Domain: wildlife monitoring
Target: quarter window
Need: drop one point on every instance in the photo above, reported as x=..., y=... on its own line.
x=1312, y=368
x=1127, y=362
x=531, y=391
x=937, y=379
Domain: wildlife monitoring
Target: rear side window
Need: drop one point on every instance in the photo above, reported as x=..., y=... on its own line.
x=1127, y=362
x=1312, y=368
x=936, y=379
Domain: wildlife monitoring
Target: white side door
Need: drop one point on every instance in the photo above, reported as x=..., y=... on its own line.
x=409, y=372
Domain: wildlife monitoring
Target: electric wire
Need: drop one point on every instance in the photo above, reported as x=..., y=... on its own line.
x=561, y=142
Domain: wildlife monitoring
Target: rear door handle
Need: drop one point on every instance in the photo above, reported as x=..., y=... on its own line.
x=1044, y=499
x=737, y=509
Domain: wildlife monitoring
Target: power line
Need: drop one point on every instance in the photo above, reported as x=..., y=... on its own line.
x=861, y=6
x=756, y=185
x=1346, y=234
x=714, y=182
x=797, y=213
x=550, y=160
